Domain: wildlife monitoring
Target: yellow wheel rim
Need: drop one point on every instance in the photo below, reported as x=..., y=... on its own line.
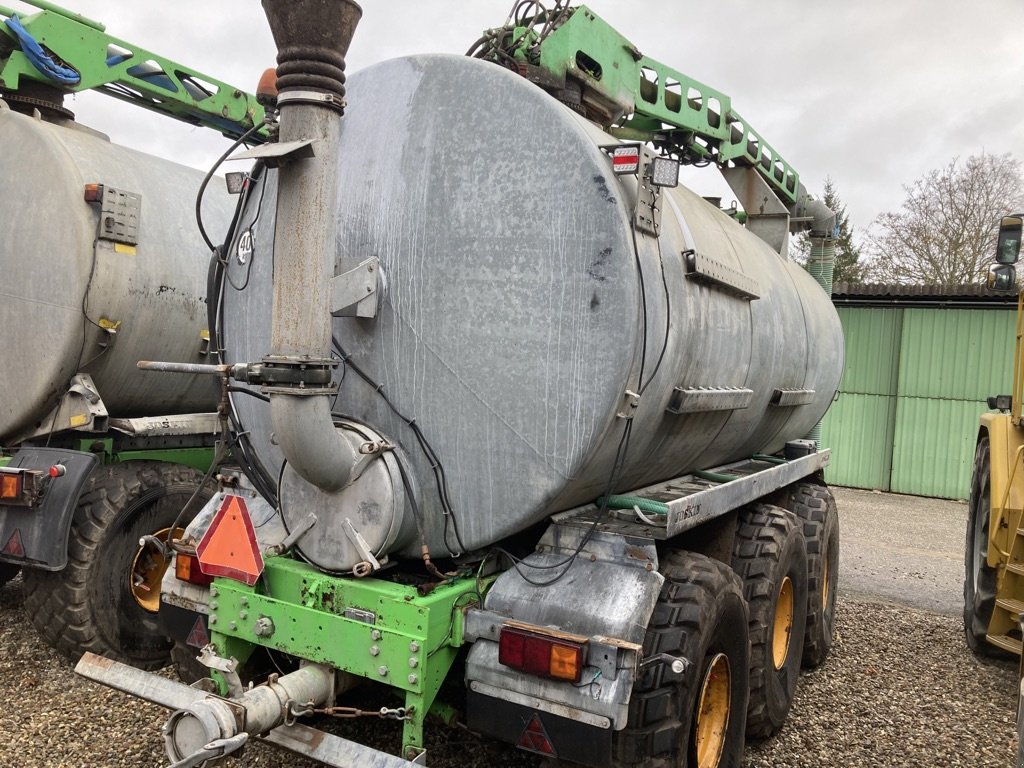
x=783, y=625
x=148, y=567
x=713, y=712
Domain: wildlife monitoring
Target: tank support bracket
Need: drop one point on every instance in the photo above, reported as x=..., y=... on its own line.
x=354, y=292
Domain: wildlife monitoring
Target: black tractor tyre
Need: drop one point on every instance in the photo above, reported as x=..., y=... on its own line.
x=815, y=506
x=771, y=560
x=979, y=578
x=8, y=572
x=694, y=719
x=90, y=605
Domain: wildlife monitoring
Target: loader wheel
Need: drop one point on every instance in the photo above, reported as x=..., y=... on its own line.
x=770, y=557
x=694, y=719
x=979, y=578
x=8, y=572
x=105, y=600
x=815, y=507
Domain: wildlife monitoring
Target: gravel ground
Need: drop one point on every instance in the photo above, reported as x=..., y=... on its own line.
x=899, y=689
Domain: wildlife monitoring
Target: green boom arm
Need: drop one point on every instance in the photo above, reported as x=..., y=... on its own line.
x=124, y=71
x=635, y=96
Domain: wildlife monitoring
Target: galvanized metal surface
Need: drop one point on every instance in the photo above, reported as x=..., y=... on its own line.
x=607, y=590
x=145, y=685
x=690, y=501
x=61, y=284
x=915, y=382
x=253, y=711
x=328, y=749
x=511, y=324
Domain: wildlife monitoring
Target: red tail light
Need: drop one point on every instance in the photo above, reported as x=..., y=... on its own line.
x=186, y=568
x=538, y=654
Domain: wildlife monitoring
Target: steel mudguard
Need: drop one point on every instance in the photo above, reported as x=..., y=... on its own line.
x=607, y=593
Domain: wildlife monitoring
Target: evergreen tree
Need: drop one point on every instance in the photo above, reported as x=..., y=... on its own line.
x=848, y=266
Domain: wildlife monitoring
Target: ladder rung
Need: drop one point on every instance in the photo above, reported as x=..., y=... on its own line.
x=1017, y=568
x=1005, y=642
x=1010, y=605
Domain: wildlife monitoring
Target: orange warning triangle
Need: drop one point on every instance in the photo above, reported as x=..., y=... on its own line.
x=229, y=547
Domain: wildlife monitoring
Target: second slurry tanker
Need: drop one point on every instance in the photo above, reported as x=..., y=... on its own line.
x=526, y=419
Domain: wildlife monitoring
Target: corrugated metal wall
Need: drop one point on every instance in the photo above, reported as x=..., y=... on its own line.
x=915, y=382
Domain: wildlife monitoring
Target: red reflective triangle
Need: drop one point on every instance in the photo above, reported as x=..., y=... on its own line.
x=14, y=547
x=535, y=738
x=198, y=637
x=229, y=547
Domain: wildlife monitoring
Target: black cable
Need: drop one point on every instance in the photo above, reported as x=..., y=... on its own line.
x=214, y=463
x=209, y=175
x=566, y=563
x=252, y=256
x=668, y=318
x=436, y=466
x=250, y=393
x=643, y=307
x=240, y=448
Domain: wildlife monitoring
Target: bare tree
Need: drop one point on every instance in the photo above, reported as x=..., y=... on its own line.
x=946, y=229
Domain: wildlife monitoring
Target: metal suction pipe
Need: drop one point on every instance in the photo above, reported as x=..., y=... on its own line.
x=312, y=38
x=214, y=721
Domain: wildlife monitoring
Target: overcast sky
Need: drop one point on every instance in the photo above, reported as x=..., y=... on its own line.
x=873, y=93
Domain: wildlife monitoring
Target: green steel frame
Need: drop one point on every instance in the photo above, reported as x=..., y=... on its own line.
x=654, y=98
x=198, y=458
x=371, y=628
x=127, y=72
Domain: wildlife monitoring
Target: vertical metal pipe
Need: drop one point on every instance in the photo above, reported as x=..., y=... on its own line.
x=821, y=265
x=312, y=37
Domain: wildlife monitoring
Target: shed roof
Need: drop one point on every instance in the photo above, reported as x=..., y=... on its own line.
x=892, y=295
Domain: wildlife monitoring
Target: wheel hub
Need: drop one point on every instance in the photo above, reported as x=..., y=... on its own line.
x=147, y=571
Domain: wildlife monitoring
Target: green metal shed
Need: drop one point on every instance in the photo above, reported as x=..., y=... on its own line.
x=920, y=362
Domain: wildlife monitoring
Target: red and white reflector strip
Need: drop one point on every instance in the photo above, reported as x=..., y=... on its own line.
x=541, y=655
x=626, y=159
x=229, y=547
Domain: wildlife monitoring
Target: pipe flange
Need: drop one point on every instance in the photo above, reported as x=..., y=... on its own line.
x=297, y=376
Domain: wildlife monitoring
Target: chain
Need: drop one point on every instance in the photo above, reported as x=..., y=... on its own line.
x=401, y=713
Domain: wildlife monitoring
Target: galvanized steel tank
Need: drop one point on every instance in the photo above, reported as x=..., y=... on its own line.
x=520, y=307
x=60, y=283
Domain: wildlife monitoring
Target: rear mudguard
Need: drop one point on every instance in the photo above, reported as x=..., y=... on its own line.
x=36, y=536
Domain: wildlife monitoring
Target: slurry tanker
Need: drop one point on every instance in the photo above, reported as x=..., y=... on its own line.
x=524, y=429
x=102, y=264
